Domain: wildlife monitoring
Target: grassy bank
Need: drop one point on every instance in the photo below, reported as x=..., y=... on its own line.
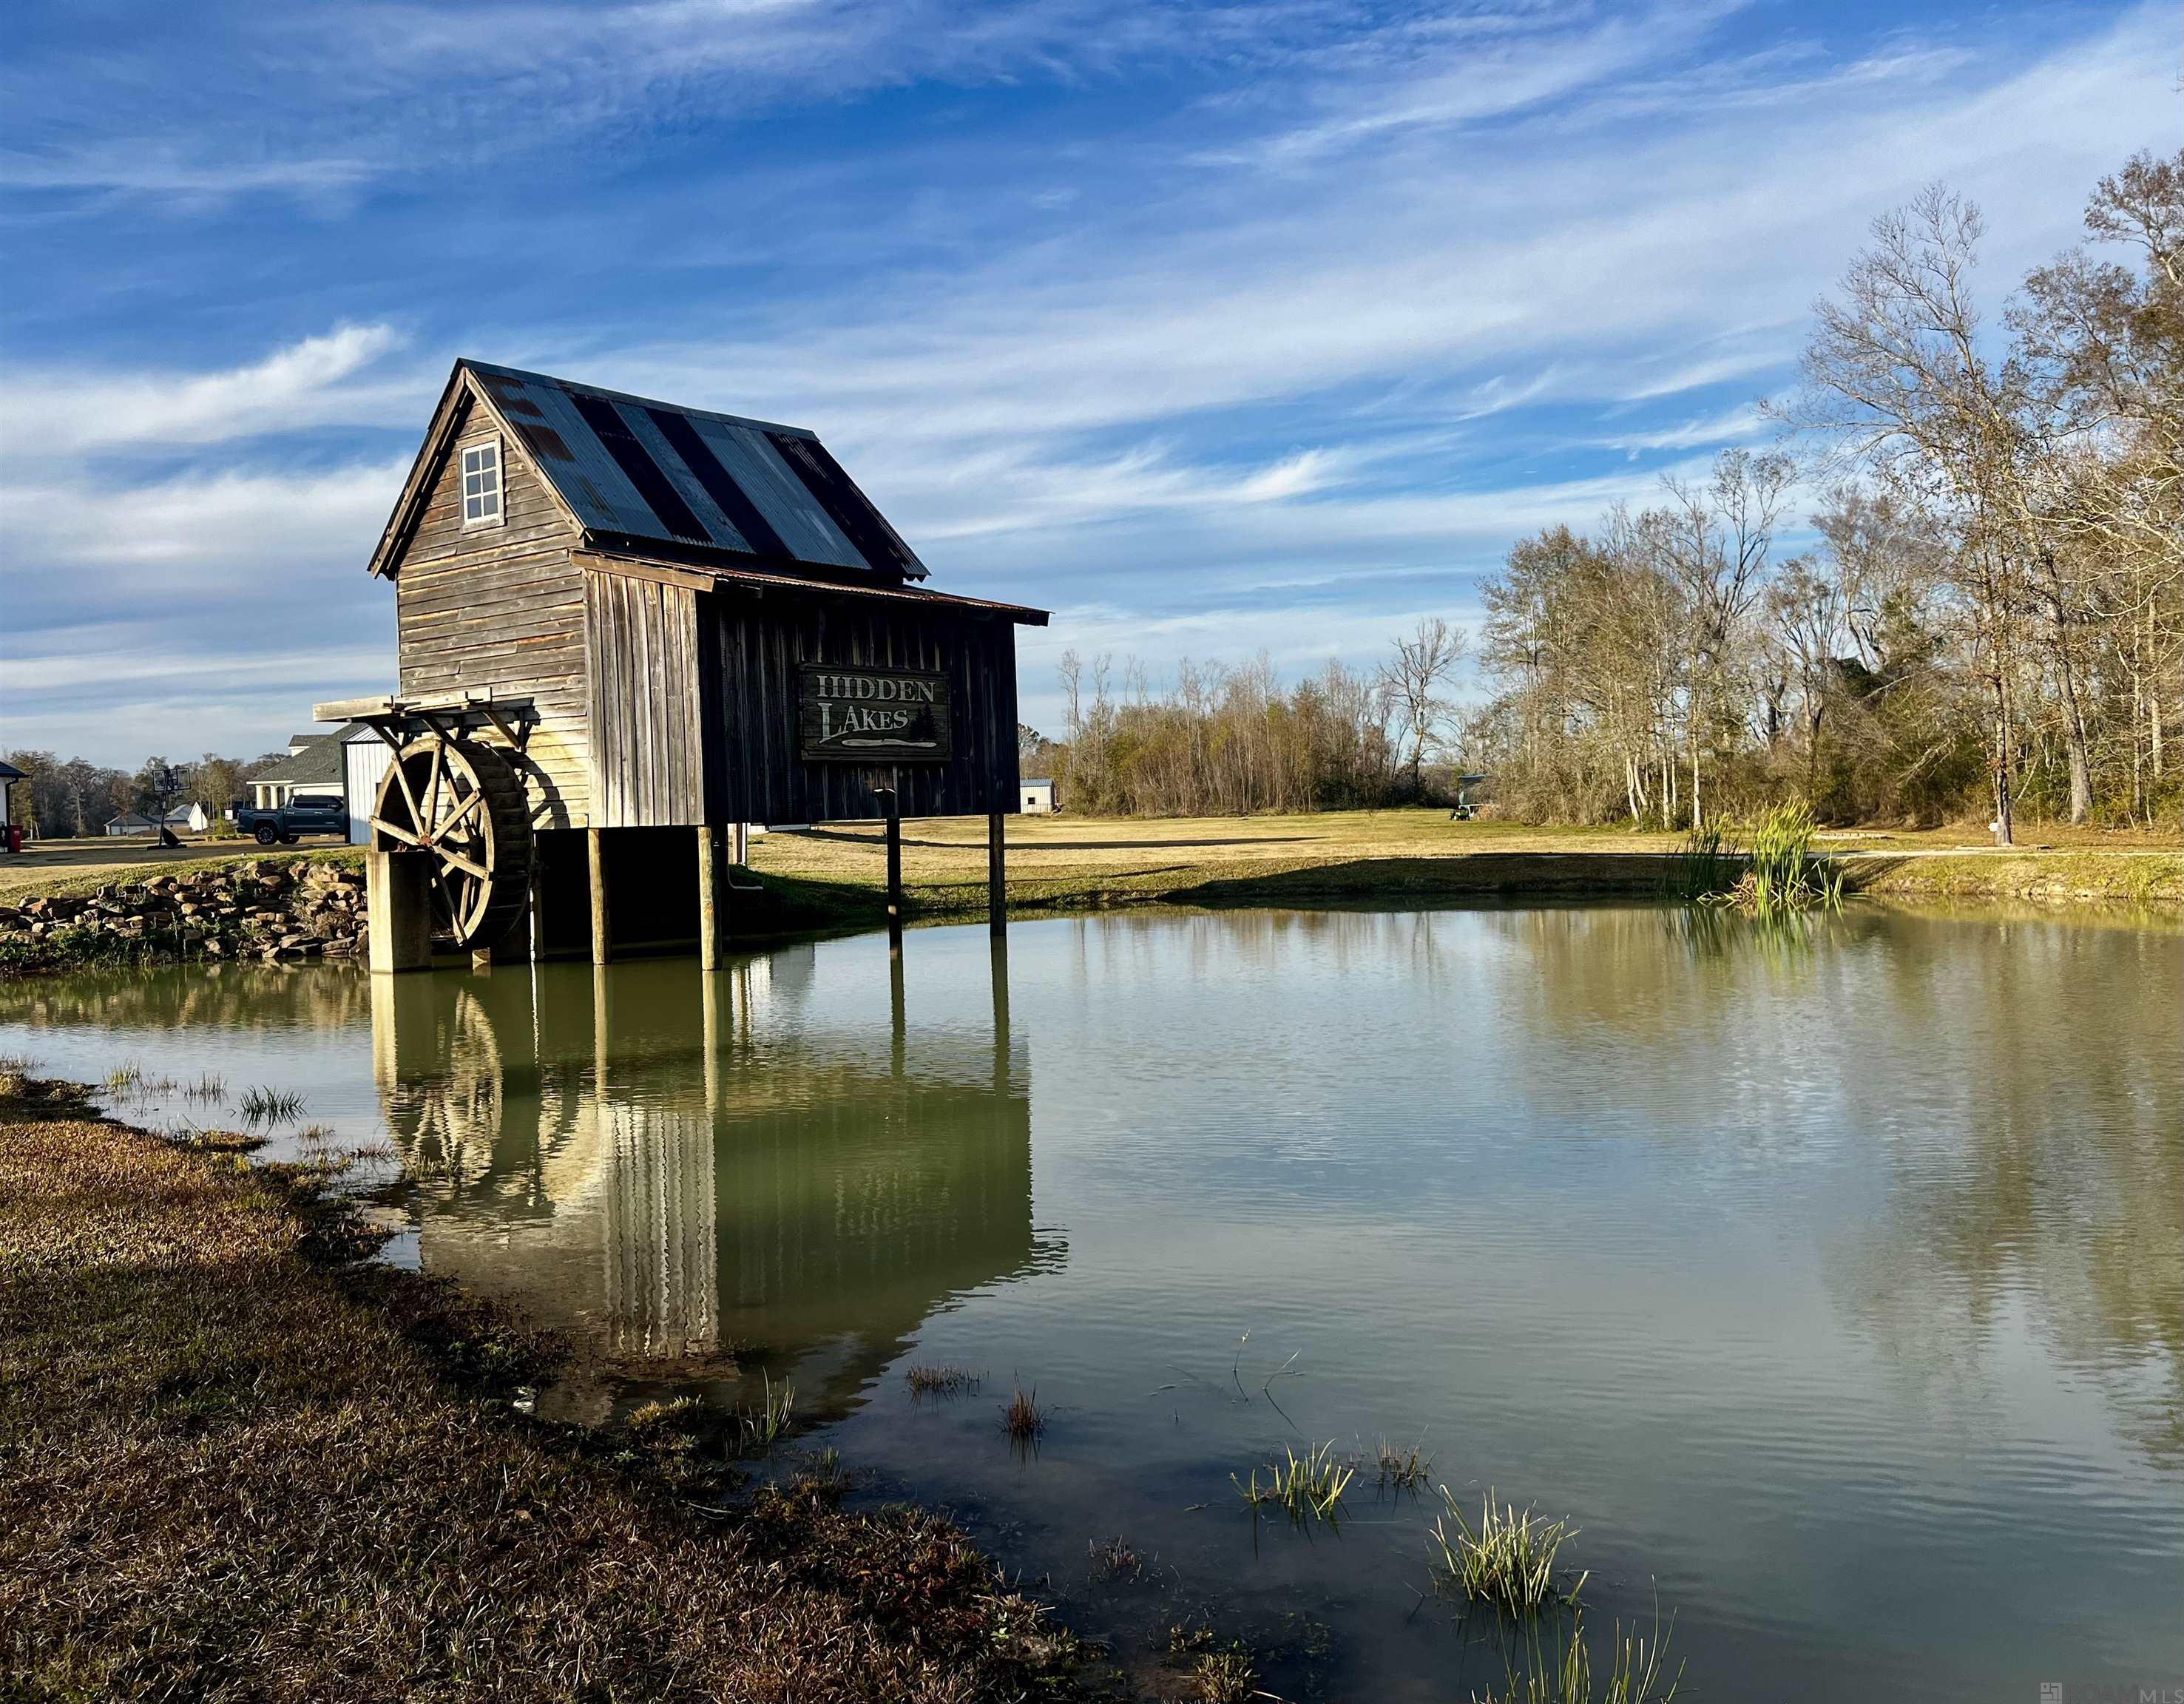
x=233, y=1463
x=1075, y=863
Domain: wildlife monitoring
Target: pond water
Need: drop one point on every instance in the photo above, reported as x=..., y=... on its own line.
x=1831, y=1284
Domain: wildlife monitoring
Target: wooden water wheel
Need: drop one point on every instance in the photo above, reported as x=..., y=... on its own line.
x=461, y=805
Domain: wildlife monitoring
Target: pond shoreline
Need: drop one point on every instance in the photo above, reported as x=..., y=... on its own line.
x=242, y=1451
x=278, y=907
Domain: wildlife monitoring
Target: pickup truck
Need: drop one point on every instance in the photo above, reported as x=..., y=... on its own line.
x=306, y=813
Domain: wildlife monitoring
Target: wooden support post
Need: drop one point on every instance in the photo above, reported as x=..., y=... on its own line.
x=894, y=870
x=601, y=932
x=399, y=910
x=743, y=843
x=997, y=872
x=712, y=898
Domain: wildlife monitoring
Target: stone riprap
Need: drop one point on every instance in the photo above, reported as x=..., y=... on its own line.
x=268, y=909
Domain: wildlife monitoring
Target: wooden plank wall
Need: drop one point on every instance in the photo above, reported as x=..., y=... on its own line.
x=503, y=607
x=751, y=646
x=646, y=717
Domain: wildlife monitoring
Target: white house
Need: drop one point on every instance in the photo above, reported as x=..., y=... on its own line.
x=1038, y=798
x=314, y=765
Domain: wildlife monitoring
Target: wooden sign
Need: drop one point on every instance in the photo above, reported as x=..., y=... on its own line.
x=851, y=714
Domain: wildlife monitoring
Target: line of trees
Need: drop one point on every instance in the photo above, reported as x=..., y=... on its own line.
x=76, y=797
x=1992, y=620
x=1229, y=741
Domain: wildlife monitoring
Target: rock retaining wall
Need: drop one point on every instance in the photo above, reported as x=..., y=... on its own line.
x=258, y=908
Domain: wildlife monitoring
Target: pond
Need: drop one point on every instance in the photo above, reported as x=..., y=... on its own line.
x=1830, y=1282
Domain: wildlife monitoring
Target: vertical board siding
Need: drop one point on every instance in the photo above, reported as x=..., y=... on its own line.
x=647, y=741
x=754, y=648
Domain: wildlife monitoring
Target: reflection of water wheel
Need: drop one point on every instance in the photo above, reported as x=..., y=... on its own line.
x=458, y=803
x=443, y=1103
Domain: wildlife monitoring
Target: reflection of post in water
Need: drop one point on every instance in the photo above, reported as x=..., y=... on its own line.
x=660, y=1234
x=999, y=965
x=897, y=1021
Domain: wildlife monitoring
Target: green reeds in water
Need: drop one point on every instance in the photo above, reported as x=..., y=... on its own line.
x=1637, y=1673
x=1786, y=876
x=760, y=1428
x=1507, y=1560
x=263, y=1105
x=1402, y=1467
x=1023, y=1419
x=1708, y=866
x=940, y=1381
x=1306, y=1488
x=1778, y=875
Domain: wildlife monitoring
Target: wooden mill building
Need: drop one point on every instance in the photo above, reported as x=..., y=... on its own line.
x=626, y=626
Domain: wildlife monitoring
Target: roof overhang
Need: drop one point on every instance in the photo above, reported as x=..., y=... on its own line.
x=709, y=577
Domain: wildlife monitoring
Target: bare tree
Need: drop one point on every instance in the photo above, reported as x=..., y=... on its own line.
x=1895, y=375
x=1718, y=547
x=1423, y=664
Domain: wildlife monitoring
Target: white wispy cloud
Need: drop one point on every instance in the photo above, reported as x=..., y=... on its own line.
x=49, y=413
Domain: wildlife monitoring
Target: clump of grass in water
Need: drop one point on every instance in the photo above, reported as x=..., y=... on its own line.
x=1306, y=1487
x=1023, y=1419
x=1226, y=1677
x=263, y=1105
x=1708, y=864
x=1112, y=1559
x=1402, y=1469
x=1508, y=1560
x=940, y=1381
x=16, y=1070
x=1786, y=876
x=760, y=1428
x=210, y=1088
x=1635, y=1674
x=1778, y=875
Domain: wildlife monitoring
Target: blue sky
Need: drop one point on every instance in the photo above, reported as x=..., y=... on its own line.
x=1215, y=329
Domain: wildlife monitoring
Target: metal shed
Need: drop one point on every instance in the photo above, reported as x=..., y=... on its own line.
x=619, y=617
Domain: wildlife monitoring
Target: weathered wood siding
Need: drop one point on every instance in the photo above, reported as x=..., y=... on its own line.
x=503, y=607
x=749, y=649
x=647, y=719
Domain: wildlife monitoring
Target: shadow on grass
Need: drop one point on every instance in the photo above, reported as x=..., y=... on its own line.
x=1557, y=875
x=876, y=840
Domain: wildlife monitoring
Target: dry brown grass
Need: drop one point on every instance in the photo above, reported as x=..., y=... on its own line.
x=229, y=1469
x=1075, y=863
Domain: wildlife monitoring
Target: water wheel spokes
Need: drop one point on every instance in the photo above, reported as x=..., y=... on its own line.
x=459, y=803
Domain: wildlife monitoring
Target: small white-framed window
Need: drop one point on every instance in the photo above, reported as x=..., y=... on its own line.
x=481, y=483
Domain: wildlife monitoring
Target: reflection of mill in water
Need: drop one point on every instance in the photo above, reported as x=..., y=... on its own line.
x=667, y=1163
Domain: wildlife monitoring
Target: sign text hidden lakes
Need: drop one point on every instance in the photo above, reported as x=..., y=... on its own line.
x=871, y=716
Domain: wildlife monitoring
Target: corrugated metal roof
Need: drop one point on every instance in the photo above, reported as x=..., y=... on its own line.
x=633, y=469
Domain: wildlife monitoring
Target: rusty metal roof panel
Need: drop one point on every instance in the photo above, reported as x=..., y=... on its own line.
x=633, y=469
x=756, y=465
